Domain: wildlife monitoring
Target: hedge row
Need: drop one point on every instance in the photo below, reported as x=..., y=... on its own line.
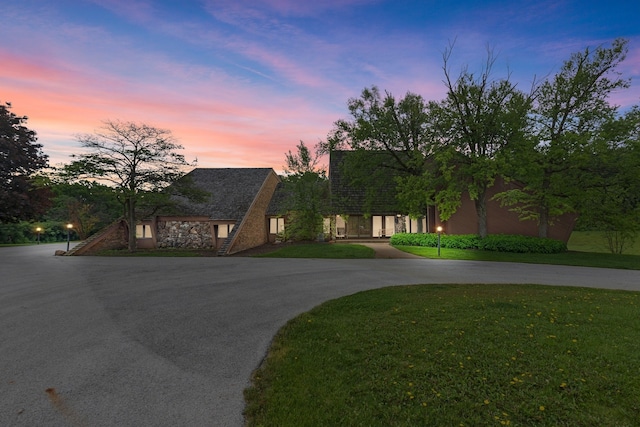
x=494, y=242
x=25, y=232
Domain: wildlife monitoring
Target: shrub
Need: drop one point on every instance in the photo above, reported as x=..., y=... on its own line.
x=494, y=242
x=25, y=232
x=521, y=244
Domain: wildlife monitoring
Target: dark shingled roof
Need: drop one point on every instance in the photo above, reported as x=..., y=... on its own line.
x=278, y=204
x=350, y=198
x=232, y=190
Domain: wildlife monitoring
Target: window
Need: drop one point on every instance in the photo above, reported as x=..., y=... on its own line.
x=276, y=225
x=143, y=231
x=224, y=230
x=416, y=225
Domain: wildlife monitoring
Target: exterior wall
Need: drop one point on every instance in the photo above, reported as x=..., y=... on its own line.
x=253, y=230
x=500, y=220
x=112, y=237
x=192, y=233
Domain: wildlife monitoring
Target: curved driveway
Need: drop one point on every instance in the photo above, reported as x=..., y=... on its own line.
x=89, y=341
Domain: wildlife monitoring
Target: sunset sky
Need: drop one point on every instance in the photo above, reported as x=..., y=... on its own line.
x=241, y=82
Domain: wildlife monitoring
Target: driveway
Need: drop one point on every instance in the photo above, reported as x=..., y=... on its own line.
x=89, y=341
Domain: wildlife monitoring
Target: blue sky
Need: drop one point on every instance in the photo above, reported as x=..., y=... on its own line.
x=239, y=83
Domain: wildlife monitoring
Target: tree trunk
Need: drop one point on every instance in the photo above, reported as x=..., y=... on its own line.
x=543, y=219
x=131, y=219
x=481, y=211
x=543, y=222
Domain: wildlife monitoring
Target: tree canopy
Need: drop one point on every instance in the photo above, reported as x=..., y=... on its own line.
x=20, y=158
x=476, y=122
x=401, y=132
x=138, y=160
x=568, y=115
x=306, y=190
x=564, y=131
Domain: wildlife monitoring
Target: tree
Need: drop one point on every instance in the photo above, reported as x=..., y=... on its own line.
x=568, y=111
x=610, y=191
x=306, y=188
x=137, y=159
x=89, y=205
x=400, y=133
x=20, y=158
x=479, y=118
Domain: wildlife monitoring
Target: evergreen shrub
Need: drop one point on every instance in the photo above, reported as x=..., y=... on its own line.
x=493, y=242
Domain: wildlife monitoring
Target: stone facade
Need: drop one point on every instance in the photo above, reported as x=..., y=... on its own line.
x=185, y=234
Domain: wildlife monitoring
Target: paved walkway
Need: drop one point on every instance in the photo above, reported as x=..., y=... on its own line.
x=386, y=251
x=90, y=341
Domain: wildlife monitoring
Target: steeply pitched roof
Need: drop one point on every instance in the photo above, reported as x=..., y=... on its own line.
x=231, y=191
x=350, y=194
x=278, y=204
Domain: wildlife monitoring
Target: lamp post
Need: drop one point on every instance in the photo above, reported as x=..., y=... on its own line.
x=69, y=227
x=38, y=230
x=439, y=230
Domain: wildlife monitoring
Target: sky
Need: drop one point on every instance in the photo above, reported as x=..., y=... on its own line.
x=239, y=83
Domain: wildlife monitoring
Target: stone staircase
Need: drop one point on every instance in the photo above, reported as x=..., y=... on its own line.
x=227, y=242
x=95, y=239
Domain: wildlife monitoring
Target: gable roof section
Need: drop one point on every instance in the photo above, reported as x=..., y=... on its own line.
x=231, y=191
x=377, y=196
x=279, y=202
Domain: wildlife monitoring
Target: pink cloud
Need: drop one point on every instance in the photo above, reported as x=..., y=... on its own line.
x=215, y=120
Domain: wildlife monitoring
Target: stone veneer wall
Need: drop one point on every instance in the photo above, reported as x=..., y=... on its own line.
x=254, y=231
x=184, y=234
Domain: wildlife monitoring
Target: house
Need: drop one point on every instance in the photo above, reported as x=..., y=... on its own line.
x=232, y=216
x=231, y=219
x=379, y=213
x=245, y=207
x=362, y=215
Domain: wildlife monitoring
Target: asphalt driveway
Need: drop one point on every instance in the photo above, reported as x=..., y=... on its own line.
x=89, y=341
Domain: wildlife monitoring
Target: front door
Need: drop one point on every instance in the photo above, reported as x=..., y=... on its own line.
x=359, y=226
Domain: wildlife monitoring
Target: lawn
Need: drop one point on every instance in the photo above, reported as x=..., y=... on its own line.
x=586, y=249
x=584, y=259
x=594, y=241
x=455, y=355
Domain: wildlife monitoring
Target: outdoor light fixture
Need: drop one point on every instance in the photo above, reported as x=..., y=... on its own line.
x=69, y=227
x=38, y=230
x=439, y=230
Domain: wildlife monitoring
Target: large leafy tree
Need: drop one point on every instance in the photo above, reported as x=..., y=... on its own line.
x=307, y=193
x=610, y=190
x=477, y=121
x=400, y=133
x=20, y=158
x=138, y=160
x=568, y=113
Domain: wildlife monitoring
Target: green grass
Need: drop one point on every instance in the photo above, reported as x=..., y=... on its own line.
x=455, y=355
x=584, y=259
x=594, y=241
x=322, y=250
